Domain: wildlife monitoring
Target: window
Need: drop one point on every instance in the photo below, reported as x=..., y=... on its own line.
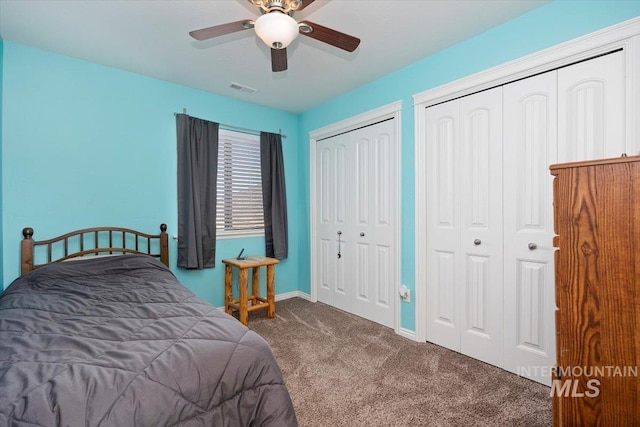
x=239, y=201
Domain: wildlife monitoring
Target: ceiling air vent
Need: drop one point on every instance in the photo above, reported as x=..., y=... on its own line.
x=242, y=88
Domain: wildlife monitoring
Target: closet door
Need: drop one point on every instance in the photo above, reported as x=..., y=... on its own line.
x=481, y=244
x=444, y=263
x=357, y=196
x=490, y=261
x=464, y=242
x=530, y=146
x=591, y=109
x=332, y=198
x=371, y=233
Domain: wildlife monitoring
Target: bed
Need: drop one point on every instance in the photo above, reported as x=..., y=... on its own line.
x=102, y=334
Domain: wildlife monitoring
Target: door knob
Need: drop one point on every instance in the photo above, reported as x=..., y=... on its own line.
x=361, y=234
x=533, y=246
x=477, y=242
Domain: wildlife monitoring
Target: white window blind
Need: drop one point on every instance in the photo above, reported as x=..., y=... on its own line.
x=239, y=199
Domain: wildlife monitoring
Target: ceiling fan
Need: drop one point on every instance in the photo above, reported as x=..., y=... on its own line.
x=277, y=29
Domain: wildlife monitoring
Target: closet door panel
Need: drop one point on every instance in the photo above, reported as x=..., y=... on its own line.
x=332, y=202
x=384, y=193
x=591, y=106
x=362, y=201
x=444, y=266
x=326, y=245
x=530, y=146
x=481, y=224
x=373, y=234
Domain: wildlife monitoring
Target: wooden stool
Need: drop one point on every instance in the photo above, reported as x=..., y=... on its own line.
x=244, y=304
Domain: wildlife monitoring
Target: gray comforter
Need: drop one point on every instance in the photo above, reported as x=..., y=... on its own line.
x=117, y=341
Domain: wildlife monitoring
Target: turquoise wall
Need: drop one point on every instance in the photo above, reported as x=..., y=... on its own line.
x=544, y=27
x=87, y=145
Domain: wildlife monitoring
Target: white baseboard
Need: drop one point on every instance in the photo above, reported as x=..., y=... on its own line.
x=293, y=294
x=406, y=333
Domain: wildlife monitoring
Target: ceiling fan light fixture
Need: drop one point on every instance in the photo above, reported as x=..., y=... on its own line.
x=277, y=30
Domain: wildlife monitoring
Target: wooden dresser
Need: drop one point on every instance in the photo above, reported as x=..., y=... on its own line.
x=597, y=222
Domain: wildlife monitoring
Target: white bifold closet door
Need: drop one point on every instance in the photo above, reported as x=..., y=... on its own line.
x=481, y=224
x=356, y=199
x=530, y=146
x=465, y=225
x=571, y=114
x=444, y=272
x=490, y=270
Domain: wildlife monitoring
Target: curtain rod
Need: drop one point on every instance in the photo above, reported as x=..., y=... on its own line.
x=236, y=128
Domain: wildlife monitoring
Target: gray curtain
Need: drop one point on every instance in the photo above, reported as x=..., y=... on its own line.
x=274, y=196
x=197, y=176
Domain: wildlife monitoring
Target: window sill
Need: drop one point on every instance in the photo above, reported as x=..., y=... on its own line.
x=238, y=234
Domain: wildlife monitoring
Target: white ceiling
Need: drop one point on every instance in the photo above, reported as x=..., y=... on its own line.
x=151, y=38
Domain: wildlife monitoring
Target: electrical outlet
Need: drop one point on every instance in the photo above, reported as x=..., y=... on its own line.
x=405, y=293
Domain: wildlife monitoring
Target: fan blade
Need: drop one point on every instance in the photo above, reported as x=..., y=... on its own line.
x=221, y=30
x=304, y=4
x=278, y=60
x=329, y=36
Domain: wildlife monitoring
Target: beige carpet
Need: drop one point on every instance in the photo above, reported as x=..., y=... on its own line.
x=342, y=370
